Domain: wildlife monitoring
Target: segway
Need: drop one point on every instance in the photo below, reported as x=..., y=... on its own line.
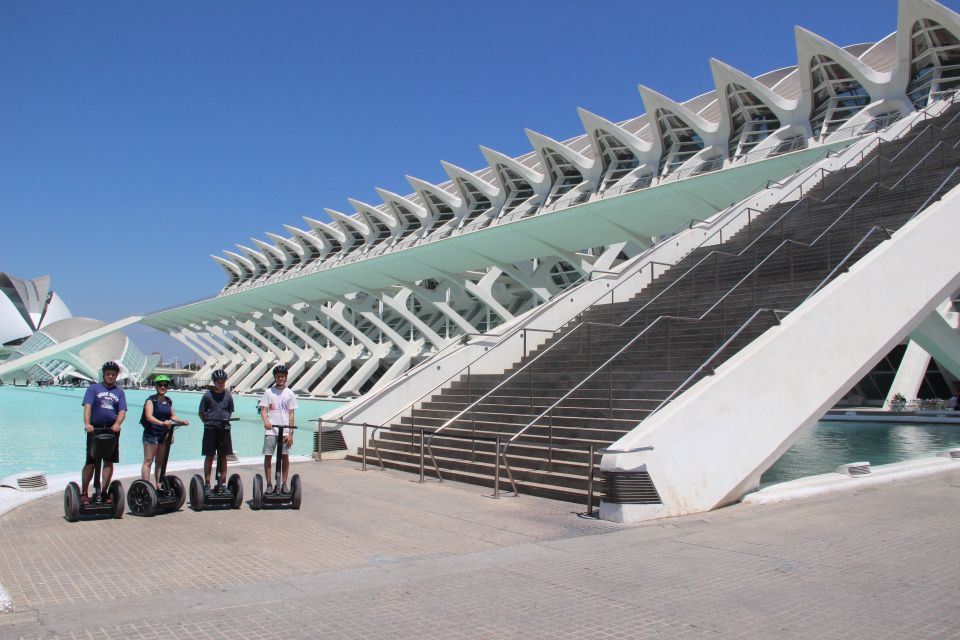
x=102, y=445
x=146, y=501
x=277, y=497
x=230, y=494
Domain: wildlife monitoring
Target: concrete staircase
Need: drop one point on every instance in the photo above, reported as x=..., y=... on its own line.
x=605, y=372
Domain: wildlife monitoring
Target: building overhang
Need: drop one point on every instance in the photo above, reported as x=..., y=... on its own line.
x=645, y=213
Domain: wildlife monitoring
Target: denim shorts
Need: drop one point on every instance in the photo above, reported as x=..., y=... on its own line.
x=152, y=435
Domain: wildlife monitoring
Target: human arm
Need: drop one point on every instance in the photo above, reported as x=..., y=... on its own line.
x=289, y=435
x=121, y=415
x=87, y=410
x=266, y=418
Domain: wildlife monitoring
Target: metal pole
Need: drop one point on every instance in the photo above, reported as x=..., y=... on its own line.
x=364, y=449
x=496, y=475
x=590, y=483
x=421, y=455
x=550, y=450
x=319, y=439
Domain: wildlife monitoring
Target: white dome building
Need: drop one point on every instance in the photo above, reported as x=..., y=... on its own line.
x=82, y=363
x=25, y=307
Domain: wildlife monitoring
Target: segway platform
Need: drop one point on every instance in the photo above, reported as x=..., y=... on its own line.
x=109, y=503
x=277, y=497
x=145, y=500
x=220, y=495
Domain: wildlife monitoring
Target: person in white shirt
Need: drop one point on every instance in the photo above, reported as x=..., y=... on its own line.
x=277, y=407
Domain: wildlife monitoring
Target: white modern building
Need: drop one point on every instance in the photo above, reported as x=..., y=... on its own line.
x=82, y=363
x=410, y=299
x=351, y=302
x=33, y=317
x=25, y=306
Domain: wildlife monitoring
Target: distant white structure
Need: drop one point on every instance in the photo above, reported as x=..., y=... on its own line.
x=25, y=306
x=82, y=363
x=33, y=317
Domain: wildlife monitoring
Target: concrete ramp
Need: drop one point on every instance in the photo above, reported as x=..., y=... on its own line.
x=710, y=446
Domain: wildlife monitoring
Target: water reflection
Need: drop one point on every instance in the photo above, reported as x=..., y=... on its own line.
x=830, y=444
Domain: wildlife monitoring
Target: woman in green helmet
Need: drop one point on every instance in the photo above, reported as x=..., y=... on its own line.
x=158, y=416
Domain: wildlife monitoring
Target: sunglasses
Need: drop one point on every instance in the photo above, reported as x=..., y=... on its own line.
x=163, y=384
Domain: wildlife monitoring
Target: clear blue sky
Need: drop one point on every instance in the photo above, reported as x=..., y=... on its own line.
x=137, y=138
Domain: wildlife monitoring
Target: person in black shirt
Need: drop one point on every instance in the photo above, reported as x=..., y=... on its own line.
x=216, y=408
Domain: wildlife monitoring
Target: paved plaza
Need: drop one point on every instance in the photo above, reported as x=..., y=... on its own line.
x=376, y=555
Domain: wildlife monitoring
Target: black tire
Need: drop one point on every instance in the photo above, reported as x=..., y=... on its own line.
x=71, y=502
x=235, y=485
x=176, y=485
x=257, y=501
x=196, y=493
x=142, y=498
x=116, y=494
x=296, y=491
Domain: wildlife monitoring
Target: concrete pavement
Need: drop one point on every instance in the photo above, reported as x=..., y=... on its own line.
x=377, y=555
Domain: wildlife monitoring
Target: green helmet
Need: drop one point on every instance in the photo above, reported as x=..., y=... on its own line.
x=162, y=378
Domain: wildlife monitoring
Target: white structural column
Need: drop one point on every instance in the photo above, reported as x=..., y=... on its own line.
x=915, y=361
x=708, y=447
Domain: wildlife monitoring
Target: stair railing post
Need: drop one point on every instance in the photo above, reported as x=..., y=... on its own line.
x=589, y=347
x=550, y=450
x=469, y=393
x=421, y=455
x=716, y=272
x=320, y=440
x=790, y=254
x=524, y=354
x=530, y=369
x=590, y=482
x=496, y=473
x=667, y=325
x=363, y=458
x=611, y=306
x=610, y=387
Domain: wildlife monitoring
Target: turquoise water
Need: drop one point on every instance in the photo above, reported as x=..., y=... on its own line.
x=43, y=428
x=830, y=444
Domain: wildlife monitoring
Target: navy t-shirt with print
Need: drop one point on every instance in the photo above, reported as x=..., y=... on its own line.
x=105, y=403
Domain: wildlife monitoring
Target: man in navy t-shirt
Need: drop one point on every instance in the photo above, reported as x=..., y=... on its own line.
x=104, y=407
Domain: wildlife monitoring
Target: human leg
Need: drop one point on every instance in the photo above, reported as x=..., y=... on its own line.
x=107, y=474
x=149, y=453
x=207, y=465
x=86, y=475
x=285, y=460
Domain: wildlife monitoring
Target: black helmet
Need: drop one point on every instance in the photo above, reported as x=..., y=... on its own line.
x=110, y=366
x=219, y=374
x=280, y=368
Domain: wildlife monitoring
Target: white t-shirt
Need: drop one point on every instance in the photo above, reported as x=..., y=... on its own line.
x=279, y=404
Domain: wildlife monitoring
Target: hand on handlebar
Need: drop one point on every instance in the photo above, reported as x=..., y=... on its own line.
x=88, y=428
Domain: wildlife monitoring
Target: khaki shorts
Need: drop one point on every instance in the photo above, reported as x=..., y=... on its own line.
x=270, y=445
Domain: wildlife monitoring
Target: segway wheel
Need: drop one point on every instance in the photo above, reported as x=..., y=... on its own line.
x=196, y=493
x=116, y=494
x=236, y=488
x=296, y=491
x=71, y=502
x=176, y=485
x=142, y=498
x=257, y=502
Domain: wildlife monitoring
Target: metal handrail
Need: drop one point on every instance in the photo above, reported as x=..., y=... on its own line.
x=887, y=232
x=555, y=300
x=608, y=362
x=676, y=283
